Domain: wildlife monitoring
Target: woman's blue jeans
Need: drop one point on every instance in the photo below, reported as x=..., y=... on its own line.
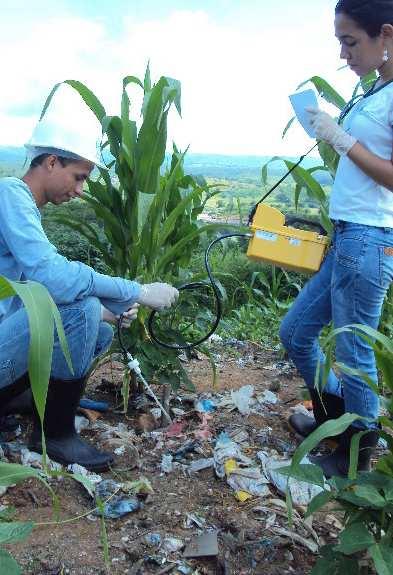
x=87, y=338
x=349, y=288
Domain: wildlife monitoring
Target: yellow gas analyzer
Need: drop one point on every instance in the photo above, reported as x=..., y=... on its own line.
x=279, y=244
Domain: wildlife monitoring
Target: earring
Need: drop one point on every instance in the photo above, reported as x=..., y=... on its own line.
x=385, y=56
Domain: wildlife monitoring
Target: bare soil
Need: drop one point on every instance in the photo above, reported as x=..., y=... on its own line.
x=248, y=541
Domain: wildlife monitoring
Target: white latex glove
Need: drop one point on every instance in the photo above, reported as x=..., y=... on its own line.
x=158, y=295
x=327, y=129
x=128, y=316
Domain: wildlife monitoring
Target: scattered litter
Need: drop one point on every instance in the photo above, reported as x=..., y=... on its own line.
x=268, y=397
x=176, y=429
x=240, y=436
x=227, y=449
x=205, y=406
x=242, y=398
x=302, y=493
x=80, y=470
x=201, y=464
x=153, y=539
x=204, y=432
x=205, y=545
x=191, y=519
x=246, y=482
x=167, y=463
x=33, y=459
x=120, y=450
x=81, y=423
x=185, y=570
x=172, y=545
x=188, y=447
x=156, y=413
x=177, y=412
x=117, y=506
x=214, y=338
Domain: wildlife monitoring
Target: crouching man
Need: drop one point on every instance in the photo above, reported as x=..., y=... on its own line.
x=61, y=161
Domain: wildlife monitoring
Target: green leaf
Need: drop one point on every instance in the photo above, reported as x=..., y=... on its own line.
x=371, y=495
x=15, y=531
x=8, y=565
x=11, y=473
x=319, y=501
x=355, y=538
x=328, y=429
x=382, y=555
x=86, y=94
x=304, y=472
x=326, y=91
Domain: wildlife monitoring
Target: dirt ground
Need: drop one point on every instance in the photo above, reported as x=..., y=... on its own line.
x=250, y=534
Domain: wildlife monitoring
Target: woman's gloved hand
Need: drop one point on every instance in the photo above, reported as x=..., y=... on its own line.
x=158, y=295
x=128, y=316
x=327, y=129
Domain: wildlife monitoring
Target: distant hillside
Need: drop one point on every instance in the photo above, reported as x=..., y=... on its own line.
x=12, y=160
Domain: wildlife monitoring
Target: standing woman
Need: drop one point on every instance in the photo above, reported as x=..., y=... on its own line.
x=353, y=280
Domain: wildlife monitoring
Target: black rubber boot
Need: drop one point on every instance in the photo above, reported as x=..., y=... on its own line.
x=21, y=404
x=331, y=407
x=7, y=395
x=337, y=463
x=63, y=444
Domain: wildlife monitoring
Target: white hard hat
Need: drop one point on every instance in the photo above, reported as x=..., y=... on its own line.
x=70, y=128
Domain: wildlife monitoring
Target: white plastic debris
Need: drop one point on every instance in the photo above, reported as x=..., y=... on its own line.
x=242, y=398
x=120, y=450
x=76, y=468
x=227, y=449
x=171, y=544
x=156, y=413
x=302, y=493
x=33, y=459
x=200, y=464
x=214, y=338
x=81, y=423
x=250, y=480
x=167, y=463
x=268, y=397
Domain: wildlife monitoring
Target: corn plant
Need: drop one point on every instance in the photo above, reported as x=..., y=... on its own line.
x=43, y=315
x=366, y=498
x=148, y=214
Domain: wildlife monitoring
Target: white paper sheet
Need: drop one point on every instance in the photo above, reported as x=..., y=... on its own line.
x=300, y=101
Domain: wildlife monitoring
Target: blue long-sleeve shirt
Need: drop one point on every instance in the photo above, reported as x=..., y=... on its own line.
x=26, y=253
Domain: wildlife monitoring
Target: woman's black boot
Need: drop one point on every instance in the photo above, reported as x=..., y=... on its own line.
x=331, y=407
x=337, y=463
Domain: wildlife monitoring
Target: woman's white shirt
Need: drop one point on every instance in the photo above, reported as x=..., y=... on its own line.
x=355, y=196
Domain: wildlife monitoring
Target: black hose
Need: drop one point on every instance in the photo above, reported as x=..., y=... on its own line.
x=190, y=286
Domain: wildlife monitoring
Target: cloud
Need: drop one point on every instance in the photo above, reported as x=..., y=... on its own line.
x=235, y=82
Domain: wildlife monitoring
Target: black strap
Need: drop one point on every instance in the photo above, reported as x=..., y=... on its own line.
x=254, y=209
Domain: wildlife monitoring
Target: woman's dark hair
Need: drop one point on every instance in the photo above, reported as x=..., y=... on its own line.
x=370, y=15
x=39, y=159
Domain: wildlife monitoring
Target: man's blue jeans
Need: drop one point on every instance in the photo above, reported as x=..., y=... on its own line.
x=87, y=338
x=349, y=288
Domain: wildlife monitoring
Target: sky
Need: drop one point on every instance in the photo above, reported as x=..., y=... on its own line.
x=237, y=61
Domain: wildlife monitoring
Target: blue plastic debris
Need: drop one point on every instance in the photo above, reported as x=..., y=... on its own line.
x=153, y=539
x=205, y=406
x=94, y=405
x=118, y=505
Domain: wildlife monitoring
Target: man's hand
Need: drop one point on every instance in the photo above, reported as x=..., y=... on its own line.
x=327, y=129
x=128, y=316
x=158, y=295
